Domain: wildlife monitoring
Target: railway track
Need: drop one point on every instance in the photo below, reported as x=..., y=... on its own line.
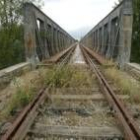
x=76, y=112
x=26, y=117
x=131, y=129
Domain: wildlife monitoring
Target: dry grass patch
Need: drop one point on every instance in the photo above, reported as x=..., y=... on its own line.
x=125, y=83
x=110, y=62
x=21, y=90
x=68, y=76
x=18, y=100
x=25, y=88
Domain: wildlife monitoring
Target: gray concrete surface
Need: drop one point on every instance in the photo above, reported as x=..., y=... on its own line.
x=77, y=57
x=112, y=36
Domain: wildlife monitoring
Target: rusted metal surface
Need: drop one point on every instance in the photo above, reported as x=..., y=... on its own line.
x=67, y=58
x=57, y=57
x=101, y=60
x=20, y=126
x=19, y=121
x=131, y=129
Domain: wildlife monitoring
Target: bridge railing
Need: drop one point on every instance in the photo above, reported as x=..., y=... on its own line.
x=43, y=37
x=112, y=36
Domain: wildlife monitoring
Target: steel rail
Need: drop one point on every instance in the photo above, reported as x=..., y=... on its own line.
x=18, y=122
x=19, y=127
x=131, y=129
x=66, y=59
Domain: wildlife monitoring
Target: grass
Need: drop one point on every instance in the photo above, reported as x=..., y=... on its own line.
x=26, y=89
x=125, y=83
x=23, y=91
x=58, y=77
x=110, y=62
x=19, y=100
x=68, y=76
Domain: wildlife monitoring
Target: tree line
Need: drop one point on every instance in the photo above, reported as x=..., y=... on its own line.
x=11, y=31
x=135, y=51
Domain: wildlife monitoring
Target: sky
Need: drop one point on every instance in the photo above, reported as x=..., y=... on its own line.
x=77, y=17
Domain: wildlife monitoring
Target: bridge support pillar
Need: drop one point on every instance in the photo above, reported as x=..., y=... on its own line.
x=29, y=35
x=112, y=36
x=41, y=35
x=125, y=33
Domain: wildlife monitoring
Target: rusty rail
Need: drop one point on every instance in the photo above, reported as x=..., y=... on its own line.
x=55, y=59
x=20, y=126
x=19, y=121
x=131, y=129
x=67, y=57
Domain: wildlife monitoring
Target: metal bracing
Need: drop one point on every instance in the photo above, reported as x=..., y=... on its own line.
x=112, y=36
x=43, y=37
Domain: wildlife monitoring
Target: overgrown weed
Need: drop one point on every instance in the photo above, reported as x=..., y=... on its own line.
x=18, y=100
x=23, y=92
x=68, y=76
x=125, y=83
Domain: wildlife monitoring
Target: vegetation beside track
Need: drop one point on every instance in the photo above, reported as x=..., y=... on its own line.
x=135, y=50
x=68, y=76
x=125, y=83
x=21, y=91
x=11, y=31
x=25, y=90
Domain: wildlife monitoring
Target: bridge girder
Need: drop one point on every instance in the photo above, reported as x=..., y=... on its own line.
x=42, y=36
x=112, y=36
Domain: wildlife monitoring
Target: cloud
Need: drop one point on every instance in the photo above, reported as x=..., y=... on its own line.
x=73, y=15
x=80, y=32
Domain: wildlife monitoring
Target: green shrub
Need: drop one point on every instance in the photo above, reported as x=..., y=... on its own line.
x=11, y=46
